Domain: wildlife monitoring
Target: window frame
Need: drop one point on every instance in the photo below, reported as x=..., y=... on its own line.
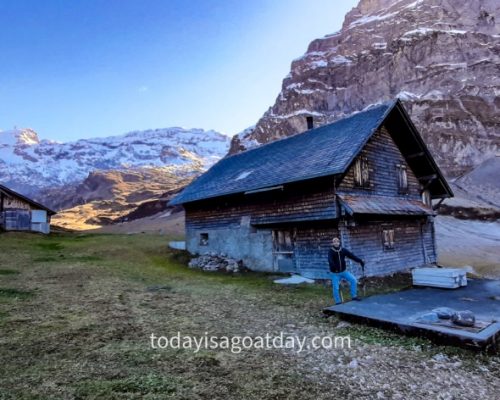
x=204, y=237
x=426, y=197
x=362, y=172
x=388, y=238
x=403, y=186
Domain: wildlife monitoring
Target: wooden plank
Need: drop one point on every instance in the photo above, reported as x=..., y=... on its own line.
x=439, y=277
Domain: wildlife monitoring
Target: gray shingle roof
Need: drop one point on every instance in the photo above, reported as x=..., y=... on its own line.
x=359, y=204
x=327, y=150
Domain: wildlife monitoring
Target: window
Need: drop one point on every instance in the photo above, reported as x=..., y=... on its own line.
x=361, y=172
x=310, y=122
x=402, y=178
x=243, y=175
x=388, y=238
x=426, y=197
x=283, y=252
x=284, y=241
x=203, y=239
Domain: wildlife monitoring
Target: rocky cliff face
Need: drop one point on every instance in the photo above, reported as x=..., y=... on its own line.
x=440, y=57
x=30, y=165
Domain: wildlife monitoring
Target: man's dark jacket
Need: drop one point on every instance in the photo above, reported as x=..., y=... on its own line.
x=336, y=259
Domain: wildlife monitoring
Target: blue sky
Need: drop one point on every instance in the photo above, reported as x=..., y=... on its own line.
x=85, y=68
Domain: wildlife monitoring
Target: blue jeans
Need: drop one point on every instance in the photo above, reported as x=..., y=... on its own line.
x=337, y=277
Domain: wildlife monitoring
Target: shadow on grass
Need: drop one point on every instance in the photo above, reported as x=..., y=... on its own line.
x=49, y=246
x=134, y=385
x=9, y=272
x=66, y=258
x=10, y=293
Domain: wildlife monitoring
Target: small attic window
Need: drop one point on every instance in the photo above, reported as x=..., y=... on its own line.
x=243, y=175
x=402, y=178
x=388, y=238
x=203, y=239
x=310, y=122
x=362, y=172
x=426, y=197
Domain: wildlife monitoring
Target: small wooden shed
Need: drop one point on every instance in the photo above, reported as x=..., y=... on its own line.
x=20, y=213
x=368, y=178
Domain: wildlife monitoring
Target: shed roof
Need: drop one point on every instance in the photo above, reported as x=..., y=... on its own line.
x=33, y=203
x=368, y=204
x=324, y=151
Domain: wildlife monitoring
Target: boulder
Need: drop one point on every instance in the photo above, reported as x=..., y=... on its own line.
x=464, y=318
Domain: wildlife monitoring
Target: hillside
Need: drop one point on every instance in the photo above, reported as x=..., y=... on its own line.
x=108, y=197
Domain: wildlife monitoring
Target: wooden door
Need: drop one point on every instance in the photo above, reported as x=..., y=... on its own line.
x=284, y=250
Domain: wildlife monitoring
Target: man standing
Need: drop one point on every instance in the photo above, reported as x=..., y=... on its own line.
x=336, y=260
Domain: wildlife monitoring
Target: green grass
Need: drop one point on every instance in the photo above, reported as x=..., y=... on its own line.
x=151, y=384
x=8, y=272
x=49, y=246
x=77, y=312
x=10, y=293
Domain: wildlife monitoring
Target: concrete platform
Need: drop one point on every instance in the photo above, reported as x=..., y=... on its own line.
x=402, y=311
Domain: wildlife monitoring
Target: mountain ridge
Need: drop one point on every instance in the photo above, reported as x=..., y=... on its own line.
x=30, y=165
x=441, y=58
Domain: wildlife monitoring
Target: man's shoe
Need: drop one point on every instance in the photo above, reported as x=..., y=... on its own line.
x=338, y=303
x=356, y=298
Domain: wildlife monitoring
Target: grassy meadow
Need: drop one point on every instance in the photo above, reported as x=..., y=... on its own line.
x=77, y=312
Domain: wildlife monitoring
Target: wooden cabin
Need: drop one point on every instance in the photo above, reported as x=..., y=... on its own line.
x=19, y=213
x=368, y=179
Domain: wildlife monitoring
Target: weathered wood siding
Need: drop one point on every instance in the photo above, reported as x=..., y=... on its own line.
x=429, y=243
x=16, y=214
x=14, y=203
x=311, y=250
x=237, y=225
x=365, y=240
x=298, y=203
x=383, y=157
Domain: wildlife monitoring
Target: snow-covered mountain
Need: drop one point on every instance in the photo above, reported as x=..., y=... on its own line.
x=28, y=164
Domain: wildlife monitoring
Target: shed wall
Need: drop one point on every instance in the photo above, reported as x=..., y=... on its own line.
x=19, y=215
x=366, y=241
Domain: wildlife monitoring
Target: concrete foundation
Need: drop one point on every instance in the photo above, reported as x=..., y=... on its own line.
x=253, y=247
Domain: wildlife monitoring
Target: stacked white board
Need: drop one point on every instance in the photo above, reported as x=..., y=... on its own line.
x=450, y=278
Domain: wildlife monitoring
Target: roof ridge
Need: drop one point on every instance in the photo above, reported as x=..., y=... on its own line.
x=315, y=130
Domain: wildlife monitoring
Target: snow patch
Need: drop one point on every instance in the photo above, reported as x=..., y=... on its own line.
x=338, y=59
x=405, y=95
x=370, y=18
x=295, y=114
x=407, y=36
x=317, y=64
x=379, y=45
